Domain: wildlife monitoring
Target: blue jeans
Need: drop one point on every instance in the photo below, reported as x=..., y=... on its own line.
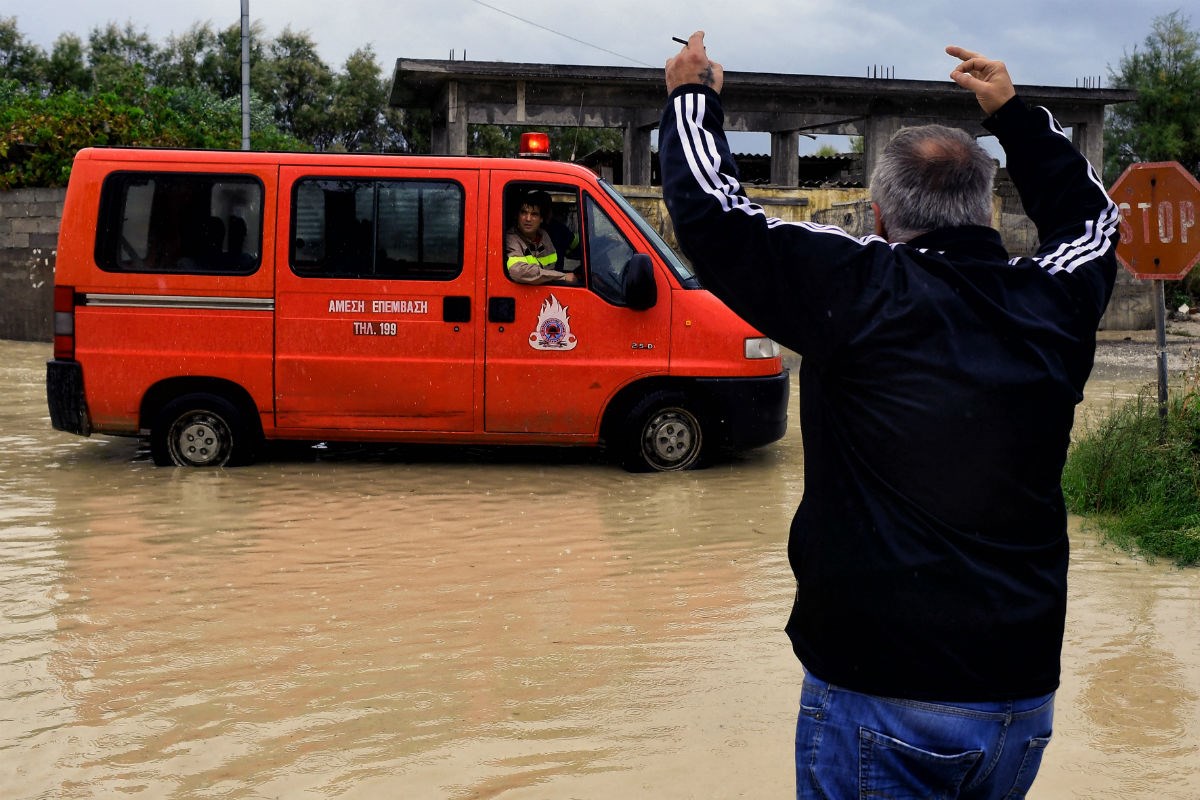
x=852, y=746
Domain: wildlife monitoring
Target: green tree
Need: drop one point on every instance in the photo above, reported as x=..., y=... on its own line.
x=208, y=120
x=20, y=60
x=301, y=88
x=121, y=90
x=119, y=87
x=573, y=144
x=413, y=130
x=191, y=59
x=228, y=51
x=66, y=67
x=1163, y=124
x=493, y=140
x=359, y=119
x=122, y=59
x=39, y=136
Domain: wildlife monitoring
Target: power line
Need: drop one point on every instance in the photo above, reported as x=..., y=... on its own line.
x=560, y=33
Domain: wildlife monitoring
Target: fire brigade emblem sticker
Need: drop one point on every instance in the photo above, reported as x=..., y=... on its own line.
x=553, y=328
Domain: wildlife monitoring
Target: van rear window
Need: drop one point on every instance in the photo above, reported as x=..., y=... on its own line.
x=365, y=228
x=180, y=222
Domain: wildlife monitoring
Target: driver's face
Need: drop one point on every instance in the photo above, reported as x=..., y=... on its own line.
x=529, y=219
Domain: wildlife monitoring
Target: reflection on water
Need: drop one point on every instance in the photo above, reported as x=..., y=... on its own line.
x=382, y=622
x=1131, y=684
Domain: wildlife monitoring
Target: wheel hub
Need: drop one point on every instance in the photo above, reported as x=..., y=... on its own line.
x=199, y=442
x=670, y=439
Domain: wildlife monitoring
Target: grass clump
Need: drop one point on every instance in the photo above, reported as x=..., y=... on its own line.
x=1137, y=475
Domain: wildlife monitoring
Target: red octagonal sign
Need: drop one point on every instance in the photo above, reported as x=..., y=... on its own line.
x=1159, y=237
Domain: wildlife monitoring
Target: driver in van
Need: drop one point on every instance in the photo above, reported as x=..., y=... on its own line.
x=529, y=251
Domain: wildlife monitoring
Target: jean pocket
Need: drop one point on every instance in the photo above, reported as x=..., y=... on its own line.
x=814, y=699
x=1029, y=768
x=895, y=769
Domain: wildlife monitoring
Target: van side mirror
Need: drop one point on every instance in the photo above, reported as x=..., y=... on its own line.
x=638, y=287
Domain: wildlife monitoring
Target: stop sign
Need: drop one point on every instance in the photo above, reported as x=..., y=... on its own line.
x=1159, y=237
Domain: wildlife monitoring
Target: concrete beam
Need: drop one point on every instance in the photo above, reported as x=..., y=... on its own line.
x=551, y=95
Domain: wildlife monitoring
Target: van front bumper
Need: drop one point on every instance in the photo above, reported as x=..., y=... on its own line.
x=64, y=396
x=750, y=412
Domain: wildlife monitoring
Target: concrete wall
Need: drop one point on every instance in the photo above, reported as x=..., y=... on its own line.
x=28, y=250
x=29, y=245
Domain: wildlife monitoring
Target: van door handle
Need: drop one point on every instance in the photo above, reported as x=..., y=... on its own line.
x=502, y=309
x=456, y=309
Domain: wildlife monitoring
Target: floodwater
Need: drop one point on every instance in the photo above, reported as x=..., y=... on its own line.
x=433, y=623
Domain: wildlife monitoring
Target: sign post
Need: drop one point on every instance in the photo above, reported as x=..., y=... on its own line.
x=1159, y=238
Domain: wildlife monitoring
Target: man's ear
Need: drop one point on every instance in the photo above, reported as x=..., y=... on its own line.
x=880, y=227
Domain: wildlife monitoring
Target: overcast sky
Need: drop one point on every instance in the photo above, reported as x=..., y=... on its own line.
x=1044, y=42
x=1047, y=42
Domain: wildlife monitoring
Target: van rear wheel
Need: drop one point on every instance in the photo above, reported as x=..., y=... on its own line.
x=200, y=430
x=662, y=435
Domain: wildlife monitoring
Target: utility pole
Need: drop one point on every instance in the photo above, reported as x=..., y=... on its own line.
x=245, y=74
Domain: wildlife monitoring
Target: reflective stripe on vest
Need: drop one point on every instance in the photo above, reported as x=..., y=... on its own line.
x=541, y=261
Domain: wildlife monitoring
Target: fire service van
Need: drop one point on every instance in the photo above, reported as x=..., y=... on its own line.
x=213, y=301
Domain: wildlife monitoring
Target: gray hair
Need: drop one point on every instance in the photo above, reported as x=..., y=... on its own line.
x=931, y=177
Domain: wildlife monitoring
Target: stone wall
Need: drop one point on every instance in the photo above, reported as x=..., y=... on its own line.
x=28, y=249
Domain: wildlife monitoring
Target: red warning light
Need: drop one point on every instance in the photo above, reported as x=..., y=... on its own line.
x=536, y=145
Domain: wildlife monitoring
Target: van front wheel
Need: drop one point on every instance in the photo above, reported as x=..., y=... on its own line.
x=200, y=430
x=662, y=435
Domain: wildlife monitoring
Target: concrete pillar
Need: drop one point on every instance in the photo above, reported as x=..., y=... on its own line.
x=635, y=163
x=877, y=132
x=1089, y=138
x=449, y=135
x=785, y=158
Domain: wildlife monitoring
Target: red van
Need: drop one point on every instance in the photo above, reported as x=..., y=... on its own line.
x=214, y=300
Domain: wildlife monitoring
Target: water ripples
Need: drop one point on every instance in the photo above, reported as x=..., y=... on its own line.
x=363, y=622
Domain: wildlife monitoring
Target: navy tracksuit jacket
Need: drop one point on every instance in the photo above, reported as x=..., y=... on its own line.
x=938, y=383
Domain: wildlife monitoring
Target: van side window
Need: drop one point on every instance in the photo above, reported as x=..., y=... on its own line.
x=365, y=228
x=549, y=252
x=179, y=222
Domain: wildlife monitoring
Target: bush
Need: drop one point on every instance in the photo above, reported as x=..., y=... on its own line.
x=1138, y=475
x=40, y=134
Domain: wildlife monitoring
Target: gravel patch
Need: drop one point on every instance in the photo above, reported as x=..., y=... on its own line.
x=1132, y=355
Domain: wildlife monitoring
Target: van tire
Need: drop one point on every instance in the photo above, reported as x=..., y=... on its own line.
x=201, y=430
x=662, y=435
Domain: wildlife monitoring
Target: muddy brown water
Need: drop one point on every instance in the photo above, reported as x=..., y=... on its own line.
x=390, y=622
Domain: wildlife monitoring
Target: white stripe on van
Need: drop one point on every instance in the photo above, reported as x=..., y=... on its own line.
x=179, y=301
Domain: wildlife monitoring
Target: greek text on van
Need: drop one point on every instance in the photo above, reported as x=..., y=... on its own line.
x=379, y=306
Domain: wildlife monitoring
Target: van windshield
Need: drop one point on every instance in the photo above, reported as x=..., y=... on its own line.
x=683, y=270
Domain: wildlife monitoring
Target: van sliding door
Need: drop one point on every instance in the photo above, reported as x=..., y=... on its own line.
x=374, y=321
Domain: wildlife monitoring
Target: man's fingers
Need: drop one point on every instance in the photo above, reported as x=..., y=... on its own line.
x=986, y=77
x=969, y=82
x=977, y=64
x=961, y=52
x=964, y=78
x=973, y=63
x=696, y=40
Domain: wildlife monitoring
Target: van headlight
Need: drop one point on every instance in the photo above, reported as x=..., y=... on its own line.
x=761, y=347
